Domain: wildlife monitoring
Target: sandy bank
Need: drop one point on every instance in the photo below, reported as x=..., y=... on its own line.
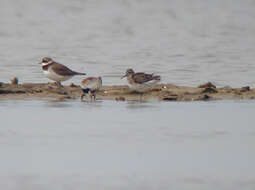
x=162, y=92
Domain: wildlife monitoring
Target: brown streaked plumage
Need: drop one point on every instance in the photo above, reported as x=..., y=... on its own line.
x=141, y=82
x=56, y=71
x=140, y=78
x=90, y=86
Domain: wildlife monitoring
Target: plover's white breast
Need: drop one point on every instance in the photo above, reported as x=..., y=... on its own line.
x=54, y=76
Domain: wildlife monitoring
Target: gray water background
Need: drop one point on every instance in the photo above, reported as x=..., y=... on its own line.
x=186, y=42
x=128, y=145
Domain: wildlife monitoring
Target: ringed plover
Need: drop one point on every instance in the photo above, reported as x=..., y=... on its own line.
x=56, y=71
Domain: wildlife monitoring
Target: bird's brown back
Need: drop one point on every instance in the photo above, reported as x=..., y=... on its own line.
x=143, y=77
x=62, y=69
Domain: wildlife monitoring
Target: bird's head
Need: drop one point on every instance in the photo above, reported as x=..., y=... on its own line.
x=129, y=72
x=46, y=61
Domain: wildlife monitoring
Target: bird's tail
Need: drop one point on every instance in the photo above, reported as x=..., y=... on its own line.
x=157, y=77
x=77, y=73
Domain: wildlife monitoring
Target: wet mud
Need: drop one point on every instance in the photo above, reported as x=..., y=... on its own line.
x=161, y=92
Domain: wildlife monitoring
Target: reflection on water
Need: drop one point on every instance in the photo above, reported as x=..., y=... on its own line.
x=57, y=104
x=139, y=105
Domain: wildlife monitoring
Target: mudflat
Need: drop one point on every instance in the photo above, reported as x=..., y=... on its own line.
x=161, y=92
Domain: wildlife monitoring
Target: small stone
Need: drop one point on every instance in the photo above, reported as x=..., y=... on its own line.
x=203, y=98
x=121, y=98
x=170, y=98
x=227, y=88
x=245, y=89
x=206, y=97
x=207, y=85
x=209, y=90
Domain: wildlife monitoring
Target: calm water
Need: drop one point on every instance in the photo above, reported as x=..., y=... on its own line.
x=186, y=42
x=128, y=145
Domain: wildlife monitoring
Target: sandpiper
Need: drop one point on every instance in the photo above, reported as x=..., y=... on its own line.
x=56, y=71
x=90, y=86
x=141, y=82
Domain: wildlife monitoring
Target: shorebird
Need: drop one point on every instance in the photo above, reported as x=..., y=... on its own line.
x=56, y=71
x=90, y=86
x=141, y=82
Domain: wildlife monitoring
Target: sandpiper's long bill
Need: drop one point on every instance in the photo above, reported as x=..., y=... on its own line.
x=141, y=82
x=56, y=71
x=90, y=86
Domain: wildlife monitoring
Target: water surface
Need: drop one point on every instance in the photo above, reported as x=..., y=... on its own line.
x=187, y=43
x=127, y=145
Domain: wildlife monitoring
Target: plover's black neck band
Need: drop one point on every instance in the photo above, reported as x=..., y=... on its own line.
x=46, y=67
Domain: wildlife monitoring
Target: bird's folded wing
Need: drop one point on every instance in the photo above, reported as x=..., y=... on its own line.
x=142, y=77
x=62, y=70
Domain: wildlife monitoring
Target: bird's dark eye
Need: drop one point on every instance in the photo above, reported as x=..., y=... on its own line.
x=44, y=60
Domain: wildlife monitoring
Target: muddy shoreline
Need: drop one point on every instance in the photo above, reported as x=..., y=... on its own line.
x=161, y=92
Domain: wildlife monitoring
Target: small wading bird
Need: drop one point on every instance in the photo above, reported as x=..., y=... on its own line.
x=90, y=86
x=141, y=82
x=56, y=71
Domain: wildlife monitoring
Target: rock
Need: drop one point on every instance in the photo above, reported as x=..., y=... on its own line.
x=12, y=92
x=207, y=85
x=204, y=97
x=121, y=98
x=209, y=90
x=227, y=88
x=245, y=89
x=169, y=98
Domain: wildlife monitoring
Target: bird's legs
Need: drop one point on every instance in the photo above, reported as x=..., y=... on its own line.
x=141, y=96
x=82, y=95
x=58, y=83
x=93, y=96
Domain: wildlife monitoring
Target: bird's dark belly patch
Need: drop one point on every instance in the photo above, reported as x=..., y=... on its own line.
x=86, y=90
